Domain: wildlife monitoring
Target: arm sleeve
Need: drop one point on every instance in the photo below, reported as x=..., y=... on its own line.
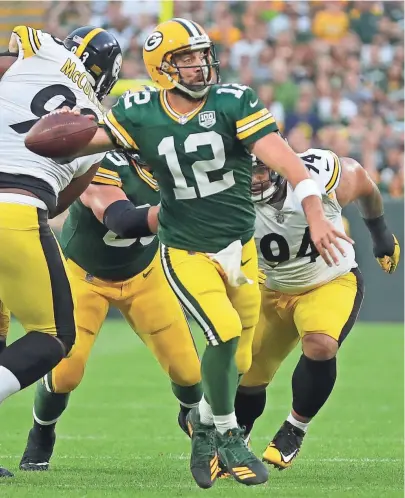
x=28, y=39
x=118, y=125
x=253, y=120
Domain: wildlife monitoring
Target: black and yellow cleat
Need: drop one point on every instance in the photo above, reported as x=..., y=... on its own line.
x=238, y=460
x=204, y=457
x=39, y=449
x=284, y=447
x=5, y=473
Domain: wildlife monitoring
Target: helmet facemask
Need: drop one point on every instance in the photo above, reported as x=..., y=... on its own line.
x=265, y=182
x=209, y=70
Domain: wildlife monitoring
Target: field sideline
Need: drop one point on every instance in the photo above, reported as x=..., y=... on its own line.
x=120, y=436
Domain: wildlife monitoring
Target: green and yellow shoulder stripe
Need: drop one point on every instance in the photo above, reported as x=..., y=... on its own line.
x=253, y=123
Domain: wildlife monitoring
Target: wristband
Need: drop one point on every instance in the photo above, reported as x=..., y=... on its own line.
x=127, y=221
x=305, y=188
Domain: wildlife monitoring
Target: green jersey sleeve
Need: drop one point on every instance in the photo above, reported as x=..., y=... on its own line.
x=120, y=122
x=253, y=119
x=108, y=172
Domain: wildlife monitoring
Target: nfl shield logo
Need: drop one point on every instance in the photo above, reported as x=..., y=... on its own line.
x=207, y=119
x=280, y=217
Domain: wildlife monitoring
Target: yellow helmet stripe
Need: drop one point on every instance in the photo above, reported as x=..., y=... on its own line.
x=86, y=40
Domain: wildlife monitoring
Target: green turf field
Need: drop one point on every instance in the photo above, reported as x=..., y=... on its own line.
x=120, y=437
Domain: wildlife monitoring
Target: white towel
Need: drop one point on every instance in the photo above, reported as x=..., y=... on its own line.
x=230, y=261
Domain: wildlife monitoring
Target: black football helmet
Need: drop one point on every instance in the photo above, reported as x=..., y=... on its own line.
x=101, y=55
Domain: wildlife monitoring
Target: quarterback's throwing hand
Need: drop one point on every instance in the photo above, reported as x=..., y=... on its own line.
x=325, y=237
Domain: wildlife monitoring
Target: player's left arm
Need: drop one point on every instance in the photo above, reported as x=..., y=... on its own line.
x=111, y=206
x=357, y=186
x=74, y=190
x=256, y=129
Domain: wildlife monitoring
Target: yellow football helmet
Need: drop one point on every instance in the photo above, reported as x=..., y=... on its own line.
x=170, y=38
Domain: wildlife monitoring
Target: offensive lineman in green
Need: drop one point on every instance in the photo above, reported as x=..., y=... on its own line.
x=111, y=266
x=198, y=137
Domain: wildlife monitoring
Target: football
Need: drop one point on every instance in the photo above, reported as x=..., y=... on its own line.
x=60, y=135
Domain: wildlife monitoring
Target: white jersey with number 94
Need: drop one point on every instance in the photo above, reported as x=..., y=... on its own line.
x=286, y=252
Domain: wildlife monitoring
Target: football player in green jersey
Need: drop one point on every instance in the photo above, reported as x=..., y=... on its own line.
x=111, y=266
x=198, y=136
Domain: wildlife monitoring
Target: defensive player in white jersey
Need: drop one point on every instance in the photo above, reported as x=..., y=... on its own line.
x=34, y=280
x=302, y=297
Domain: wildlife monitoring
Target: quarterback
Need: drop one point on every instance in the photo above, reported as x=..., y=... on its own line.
x=302, y=298
x=111, y=265
x=197, y=136
x=34, y=279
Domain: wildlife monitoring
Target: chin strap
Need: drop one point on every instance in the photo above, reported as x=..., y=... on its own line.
x=192, y=93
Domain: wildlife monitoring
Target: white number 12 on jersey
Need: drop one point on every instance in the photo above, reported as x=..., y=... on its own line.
x=200, y=168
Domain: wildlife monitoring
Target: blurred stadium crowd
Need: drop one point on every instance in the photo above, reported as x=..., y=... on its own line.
x=331, y=72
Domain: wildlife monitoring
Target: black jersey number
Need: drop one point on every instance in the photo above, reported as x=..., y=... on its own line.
x=310, y=160
x=42, y=104
x=275, y=248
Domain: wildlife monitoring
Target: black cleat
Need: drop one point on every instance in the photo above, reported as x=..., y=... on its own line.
x=39, y=449
x=284, y=447
x=5, y=473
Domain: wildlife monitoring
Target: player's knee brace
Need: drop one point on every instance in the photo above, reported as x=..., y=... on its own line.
x=68, y=374
x=312, y=383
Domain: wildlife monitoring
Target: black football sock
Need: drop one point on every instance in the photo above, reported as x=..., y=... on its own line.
x=27, y=360
x=312, y=383
x=249, y=407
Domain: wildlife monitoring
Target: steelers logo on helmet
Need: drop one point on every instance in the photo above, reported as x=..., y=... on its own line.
x=153, y=41
x=117, y=66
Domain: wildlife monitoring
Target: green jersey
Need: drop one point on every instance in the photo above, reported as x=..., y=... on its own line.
x=201, y=161
x=98, y=250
